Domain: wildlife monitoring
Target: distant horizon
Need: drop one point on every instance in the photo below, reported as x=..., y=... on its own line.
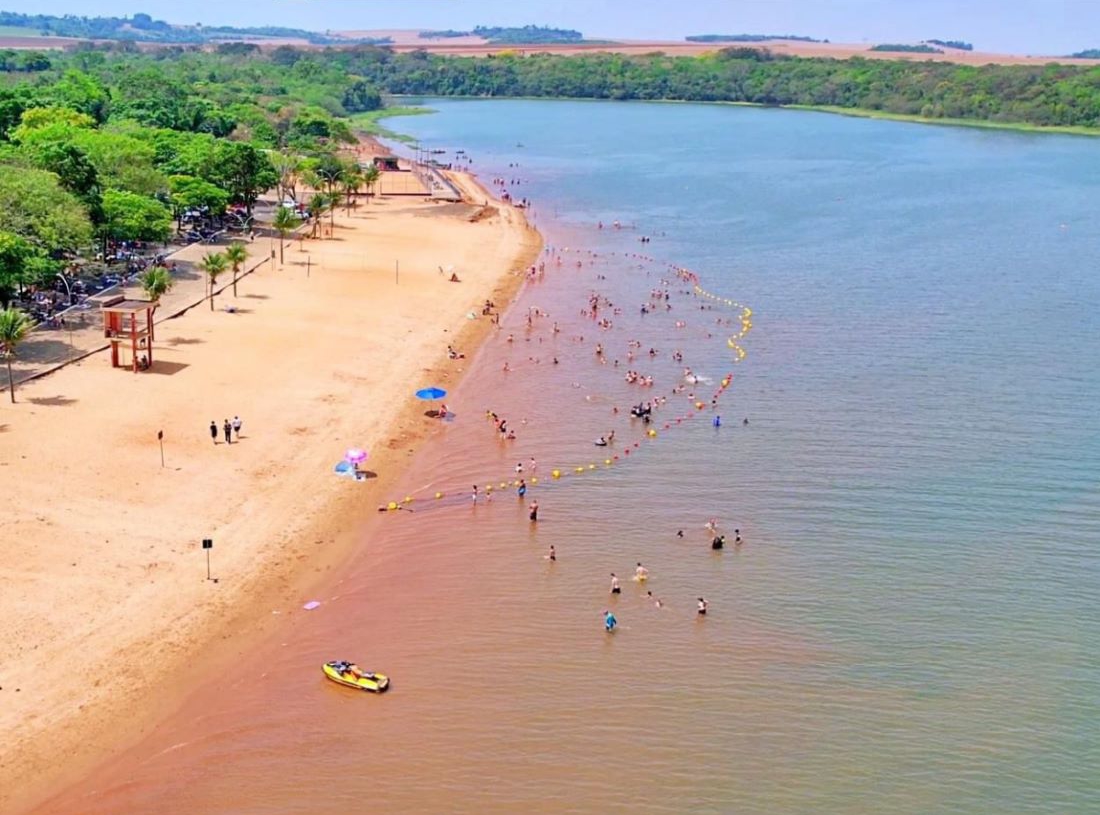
x=1040, y=27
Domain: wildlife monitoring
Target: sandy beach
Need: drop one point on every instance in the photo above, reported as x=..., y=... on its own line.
x=104, y=575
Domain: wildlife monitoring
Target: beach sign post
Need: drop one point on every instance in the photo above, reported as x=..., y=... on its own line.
x=208, y=544
x=160, y=438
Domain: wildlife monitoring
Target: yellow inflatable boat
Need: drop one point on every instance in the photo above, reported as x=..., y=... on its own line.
x=350, y=674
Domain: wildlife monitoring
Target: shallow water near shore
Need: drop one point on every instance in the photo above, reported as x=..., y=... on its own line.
x=911, y=625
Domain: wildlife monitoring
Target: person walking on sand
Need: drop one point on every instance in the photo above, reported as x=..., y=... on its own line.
x=534, y=513
x=213, y=431
x=615, y=588
x=237, y=427
x=228, y=428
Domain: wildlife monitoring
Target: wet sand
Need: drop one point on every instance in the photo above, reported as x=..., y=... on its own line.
x=104, y=575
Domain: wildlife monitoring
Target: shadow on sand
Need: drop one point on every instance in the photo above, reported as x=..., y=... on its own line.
x=51, y=401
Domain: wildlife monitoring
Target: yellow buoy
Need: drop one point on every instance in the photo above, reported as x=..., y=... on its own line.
x=556, y=473
x=439, y=495
x=392, y=505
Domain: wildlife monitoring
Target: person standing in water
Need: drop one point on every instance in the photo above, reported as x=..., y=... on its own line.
x=533, y=514
x=609, y=621
x=521, y=490
x=615, y=589
x=473, y=496
x=553, y=556
x=641, y=573
x=702, y=607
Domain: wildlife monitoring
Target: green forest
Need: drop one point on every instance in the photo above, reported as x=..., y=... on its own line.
x=143, y=28
x=102, y=145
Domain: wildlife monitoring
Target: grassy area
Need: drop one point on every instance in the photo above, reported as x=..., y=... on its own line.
x=15, y=31
x=370, y=122
x=927, y=120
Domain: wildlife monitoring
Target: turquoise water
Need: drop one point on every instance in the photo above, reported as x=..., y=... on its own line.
x=912, y=623
x=922, y=382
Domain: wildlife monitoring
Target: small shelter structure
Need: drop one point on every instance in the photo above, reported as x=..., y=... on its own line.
x=128, y=326
x=387, y=164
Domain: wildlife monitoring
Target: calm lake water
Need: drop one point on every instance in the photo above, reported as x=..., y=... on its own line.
x=912, y=625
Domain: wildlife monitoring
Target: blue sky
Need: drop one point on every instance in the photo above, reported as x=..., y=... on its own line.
x=1020, y=26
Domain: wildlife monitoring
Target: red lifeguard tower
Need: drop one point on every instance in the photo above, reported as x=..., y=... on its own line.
x=128, y=326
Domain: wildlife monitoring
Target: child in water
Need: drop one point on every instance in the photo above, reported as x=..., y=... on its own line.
x=609, y=621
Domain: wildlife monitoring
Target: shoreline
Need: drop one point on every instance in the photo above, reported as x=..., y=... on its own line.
x=211, y=636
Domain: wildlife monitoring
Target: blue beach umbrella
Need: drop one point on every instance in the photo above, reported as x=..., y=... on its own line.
x=431, y=393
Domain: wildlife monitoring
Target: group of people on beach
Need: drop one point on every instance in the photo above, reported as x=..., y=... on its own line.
x=231, y=429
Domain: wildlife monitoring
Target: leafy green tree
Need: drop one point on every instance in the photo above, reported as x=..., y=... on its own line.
x=284, y=222
x=244, y=172
x=22, y=264
x=44, y=118
x=14, y=327
x=128, y=216
x=190, y=193
x=82, y=92
x=34, y=206
x=74, y=171
x=213, y=263
x=156, y=281
x=236, y=254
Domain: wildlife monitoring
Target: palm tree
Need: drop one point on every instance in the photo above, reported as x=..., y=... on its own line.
x=371, y=174
x=286, y=220
x=156, y=281
x=317, y=207
x=213, y=263
x=236, y=254
x=353, y=182
x=14, y=327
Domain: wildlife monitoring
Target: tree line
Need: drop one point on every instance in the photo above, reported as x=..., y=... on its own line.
x=1041, y=95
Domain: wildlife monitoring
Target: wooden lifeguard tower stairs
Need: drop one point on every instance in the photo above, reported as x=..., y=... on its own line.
x=128, y=327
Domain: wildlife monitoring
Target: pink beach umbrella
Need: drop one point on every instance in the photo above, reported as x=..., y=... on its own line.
x=355, y=455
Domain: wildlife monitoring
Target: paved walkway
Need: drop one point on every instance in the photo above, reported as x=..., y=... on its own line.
x=47, y=349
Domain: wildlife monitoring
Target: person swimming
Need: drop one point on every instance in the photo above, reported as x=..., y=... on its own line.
x=609, y=621
x=656, y=600
x=718, y=542
x=615, y=589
